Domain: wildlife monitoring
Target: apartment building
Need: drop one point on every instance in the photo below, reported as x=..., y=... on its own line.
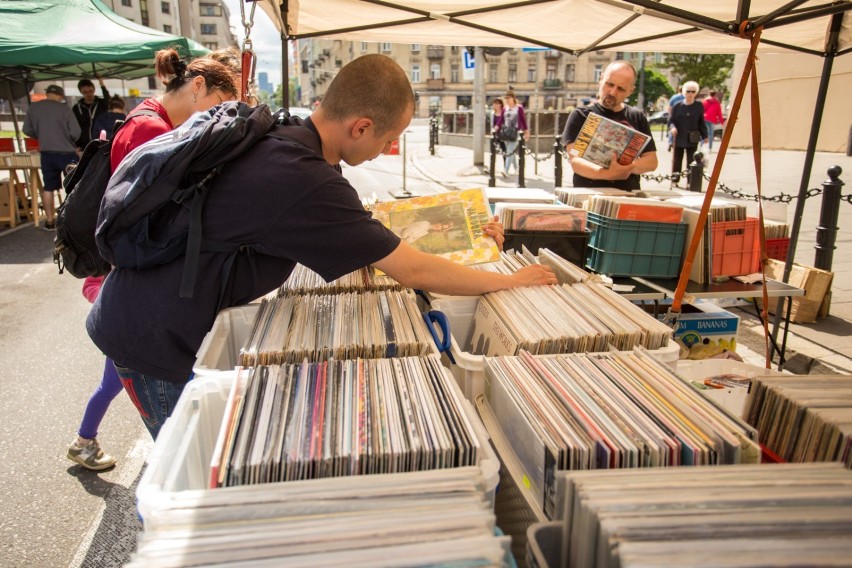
x=205, y=21
x=541, y=79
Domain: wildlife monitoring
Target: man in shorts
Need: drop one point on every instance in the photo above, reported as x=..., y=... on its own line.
x=57, y=130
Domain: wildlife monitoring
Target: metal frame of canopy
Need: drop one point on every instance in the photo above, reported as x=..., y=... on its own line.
x=837, y=35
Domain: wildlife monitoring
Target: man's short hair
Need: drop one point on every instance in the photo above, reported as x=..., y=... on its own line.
x=374, y=86
x=84, y=83
x=55, y=90
x=622, y=63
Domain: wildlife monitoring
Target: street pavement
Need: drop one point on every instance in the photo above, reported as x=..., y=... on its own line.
x=53, y=513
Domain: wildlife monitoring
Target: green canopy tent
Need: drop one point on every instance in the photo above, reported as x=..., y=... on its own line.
x=45, y=40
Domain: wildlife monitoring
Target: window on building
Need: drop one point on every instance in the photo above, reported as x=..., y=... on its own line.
x=152, y=82
x=363, y=47
x=167, y=28
x=415, y=73
x=550, y=71
x=454, y=73
x=513, y=72
x=208, y=29
x=492, y=72
x=143, y=12
x=463, y=102
x=415, y=47
x=165, y=8
x=531, y=73
x=435, y=71
x=454, y=49
x=434, y=105
x=385, y=47
x=598, y=72
x=211, y=45
x=126, y=3
x=569, y=73
x=209, y=9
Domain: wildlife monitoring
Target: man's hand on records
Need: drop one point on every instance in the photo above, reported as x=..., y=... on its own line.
x=535, y=275
x=494, y=229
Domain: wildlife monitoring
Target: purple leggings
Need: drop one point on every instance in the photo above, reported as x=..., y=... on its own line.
x=99, y=402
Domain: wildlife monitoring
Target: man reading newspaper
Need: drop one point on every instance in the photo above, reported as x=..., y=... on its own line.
x=617, y=83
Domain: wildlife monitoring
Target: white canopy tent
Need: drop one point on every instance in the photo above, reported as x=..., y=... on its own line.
x=819, y=27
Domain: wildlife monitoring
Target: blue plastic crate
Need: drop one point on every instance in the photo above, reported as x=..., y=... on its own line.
x=635, y=248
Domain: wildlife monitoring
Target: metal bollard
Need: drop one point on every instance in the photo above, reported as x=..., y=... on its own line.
x=557, y=162
x=492, y=168
x=829, y=212
x=696, y=173
x=433, y=134
x=521, y=150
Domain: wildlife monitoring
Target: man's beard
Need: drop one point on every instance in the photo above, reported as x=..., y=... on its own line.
x=608, y=102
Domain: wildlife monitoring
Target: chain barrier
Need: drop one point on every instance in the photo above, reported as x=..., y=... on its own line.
x=543, y=158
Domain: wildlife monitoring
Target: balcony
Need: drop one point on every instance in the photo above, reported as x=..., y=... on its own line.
x=552, y=54
x=435, y=52
x=551, y=84
x=434, y=84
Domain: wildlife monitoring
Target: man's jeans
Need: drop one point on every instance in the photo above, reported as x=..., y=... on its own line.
x=155, y=399
x=710, y=137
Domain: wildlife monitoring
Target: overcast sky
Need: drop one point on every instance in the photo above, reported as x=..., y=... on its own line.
x=266, y=40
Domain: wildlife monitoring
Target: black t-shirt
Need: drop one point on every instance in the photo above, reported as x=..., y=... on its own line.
x=629, y=116
x=281, y=198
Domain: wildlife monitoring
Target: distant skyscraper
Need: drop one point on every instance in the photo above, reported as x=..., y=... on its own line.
x=263, y=82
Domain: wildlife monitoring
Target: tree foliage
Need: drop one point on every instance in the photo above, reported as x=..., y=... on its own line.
x=656, y=86
x=707, y=70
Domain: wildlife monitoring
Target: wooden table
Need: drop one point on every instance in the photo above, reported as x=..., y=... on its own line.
x=25, y=181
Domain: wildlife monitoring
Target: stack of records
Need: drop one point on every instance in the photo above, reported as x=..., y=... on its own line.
x=544, y=217
x=303, y=280
x=435, y=518
x=384, y=323
x=510, y=262
x=342, y=418
x=577, y=196
x=738, y=516
x=721, y=210
x=803, y=419
x=776, y=229
x=635, y=209
x=607, y=411
x=583, y=317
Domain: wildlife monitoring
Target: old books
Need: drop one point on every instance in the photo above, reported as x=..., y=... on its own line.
x=600, y=137
x=447, y=224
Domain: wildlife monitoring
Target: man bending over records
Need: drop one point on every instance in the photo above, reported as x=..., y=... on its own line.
x=617, y=83
x=291, y=202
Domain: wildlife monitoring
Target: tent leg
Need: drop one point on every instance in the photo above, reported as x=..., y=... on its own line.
x=809, y=159
x=18, y=134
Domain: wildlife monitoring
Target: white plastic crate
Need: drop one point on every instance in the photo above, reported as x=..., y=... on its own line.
x=178, y=469
x=469, y=369
x=731, y=399
x=220, y=350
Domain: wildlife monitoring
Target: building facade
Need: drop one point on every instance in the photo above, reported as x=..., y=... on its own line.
x=541, y=79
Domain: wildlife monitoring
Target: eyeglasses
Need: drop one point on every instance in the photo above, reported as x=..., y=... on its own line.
x=690, y=92
x=218, y=97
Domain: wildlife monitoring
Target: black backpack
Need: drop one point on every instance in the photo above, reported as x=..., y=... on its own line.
x=74, y=247
x=151, y=212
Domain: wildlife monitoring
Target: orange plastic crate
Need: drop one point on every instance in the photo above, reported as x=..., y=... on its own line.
x=736, y=248
x=777, y=248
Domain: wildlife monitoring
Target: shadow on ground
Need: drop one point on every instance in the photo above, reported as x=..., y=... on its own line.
x=26, y=245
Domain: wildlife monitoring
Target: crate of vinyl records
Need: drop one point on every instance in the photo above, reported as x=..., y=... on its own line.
x=623, y=247
x=558, y=228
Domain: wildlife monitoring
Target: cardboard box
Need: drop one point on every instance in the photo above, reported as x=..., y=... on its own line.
x=704, y=327
x=815, y=282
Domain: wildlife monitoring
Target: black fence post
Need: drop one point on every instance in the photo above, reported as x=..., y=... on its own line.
x=492, y=168
x=521, y=150
x=433, y=133
x=696, y=173
x=557, y=162
x=827, y=228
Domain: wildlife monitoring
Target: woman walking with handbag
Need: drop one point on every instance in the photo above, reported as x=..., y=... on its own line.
x=687, y=127
x=512, y=122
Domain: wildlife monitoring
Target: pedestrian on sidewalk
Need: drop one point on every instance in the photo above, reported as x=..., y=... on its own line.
x=105, y=123
x=712, y=116
x=511, y=124
x=688, y=129
x=617, y=83
x=57, y=130
x=190, y=88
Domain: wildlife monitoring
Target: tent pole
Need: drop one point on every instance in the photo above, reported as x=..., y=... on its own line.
x=285, y=54
x=822, y=91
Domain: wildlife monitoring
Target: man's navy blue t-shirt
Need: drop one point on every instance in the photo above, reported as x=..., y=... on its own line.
x=629, y=116
x=281, y=198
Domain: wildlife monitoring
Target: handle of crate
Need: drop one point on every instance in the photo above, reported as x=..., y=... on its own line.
x=443, y=342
